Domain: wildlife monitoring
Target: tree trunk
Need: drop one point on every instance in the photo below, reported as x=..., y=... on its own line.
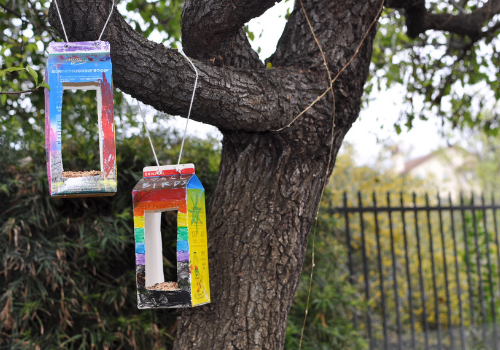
x=270, y=182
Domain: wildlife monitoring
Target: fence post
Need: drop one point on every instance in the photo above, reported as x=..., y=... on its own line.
x=394, y=272
x=490, y=280
x=421, y=275
x=467, y=257
x=365, y=272
x=349, y=252
x=408, y=275
x=478, y=263
x=434, y=282
x=443, y=248
x=377, y=233
x=457, y=275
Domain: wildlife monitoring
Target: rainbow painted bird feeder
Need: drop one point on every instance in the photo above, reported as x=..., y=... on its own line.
x=161, y=189
x=80, y=66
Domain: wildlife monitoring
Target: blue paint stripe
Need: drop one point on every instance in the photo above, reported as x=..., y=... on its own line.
x=182, y=245
x=140, y=248
x=194, y=183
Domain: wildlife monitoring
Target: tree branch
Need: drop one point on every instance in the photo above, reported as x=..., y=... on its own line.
x=225, y=43
x=228, y=98
x=41, y=21
x=207, y=24
x=419, y=20
x=457, y=7
x=18, y=92
x=17, y=14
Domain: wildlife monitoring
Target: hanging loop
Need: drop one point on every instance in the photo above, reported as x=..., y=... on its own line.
x=62, y=23
x=190, y=106
x=149, y=136
x=105, y=24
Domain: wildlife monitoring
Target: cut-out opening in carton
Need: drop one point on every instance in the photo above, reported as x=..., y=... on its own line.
x=91, y=91
x=154, y=244
x=163, y=189
x=80, y=66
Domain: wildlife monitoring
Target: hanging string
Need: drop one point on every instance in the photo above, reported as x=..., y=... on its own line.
x=105, y=24
x=190, y=106
x=62, y=24
x=187, y=121
x=149, y=136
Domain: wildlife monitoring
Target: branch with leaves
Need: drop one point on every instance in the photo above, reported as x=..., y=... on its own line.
x=34, y=75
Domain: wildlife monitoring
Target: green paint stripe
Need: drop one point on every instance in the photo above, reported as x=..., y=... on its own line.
x=139, y=235
x=182, y=233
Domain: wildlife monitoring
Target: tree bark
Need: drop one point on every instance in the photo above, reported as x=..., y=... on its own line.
x=270, y=182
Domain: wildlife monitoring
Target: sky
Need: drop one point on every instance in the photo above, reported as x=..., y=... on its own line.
x=373, y=129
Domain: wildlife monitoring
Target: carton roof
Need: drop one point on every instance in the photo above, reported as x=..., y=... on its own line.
x=84, y=47
x=159, y=183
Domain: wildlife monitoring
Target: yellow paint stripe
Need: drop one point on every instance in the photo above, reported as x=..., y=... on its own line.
x=139, y=221
x=182, y=219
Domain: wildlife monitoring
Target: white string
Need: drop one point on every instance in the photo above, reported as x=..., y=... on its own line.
x=62, y=24
x=149, y=136
x=190, y=106
x=105, y=24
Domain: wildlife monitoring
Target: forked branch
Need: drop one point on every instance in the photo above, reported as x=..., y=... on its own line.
x=228, y=98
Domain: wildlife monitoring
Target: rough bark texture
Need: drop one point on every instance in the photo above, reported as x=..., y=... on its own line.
x=270, y=182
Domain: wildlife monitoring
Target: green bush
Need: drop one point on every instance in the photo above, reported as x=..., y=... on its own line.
x=334, y=301
x=67, y=265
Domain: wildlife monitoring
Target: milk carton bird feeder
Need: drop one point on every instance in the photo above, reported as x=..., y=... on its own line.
x=80, y=66
x=171, y=188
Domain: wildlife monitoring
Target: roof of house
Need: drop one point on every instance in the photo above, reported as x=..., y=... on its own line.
x=410, y=165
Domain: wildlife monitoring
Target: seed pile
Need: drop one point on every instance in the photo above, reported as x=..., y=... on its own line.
x=164, y=286
x=69, y=174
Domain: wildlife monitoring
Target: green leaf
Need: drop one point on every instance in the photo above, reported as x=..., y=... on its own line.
x=269, y=65
x=12, y=69
x=398, y=128
x=33, y=73
x=44, y=86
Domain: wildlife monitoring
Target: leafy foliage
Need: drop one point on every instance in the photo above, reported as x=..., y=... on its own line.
x=33, y=73
x=333, y=301
x=164, y=17
x=446, y=75
x=67, y=270
x=67, y=267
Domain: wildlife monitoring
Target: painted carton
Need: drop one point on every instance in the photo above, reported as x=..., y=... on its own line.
x=80, y=66
x=161, y=189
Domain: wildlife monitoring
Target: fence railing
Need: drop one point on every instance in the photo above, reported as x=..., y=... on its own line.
x=427, y=267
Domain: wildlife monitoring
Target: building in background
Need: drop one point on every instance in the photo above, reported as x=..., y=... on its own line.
x=451, y=169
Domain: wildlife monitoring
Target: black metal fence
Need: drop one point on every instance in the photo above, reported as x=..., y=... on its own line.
x=428, y=269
